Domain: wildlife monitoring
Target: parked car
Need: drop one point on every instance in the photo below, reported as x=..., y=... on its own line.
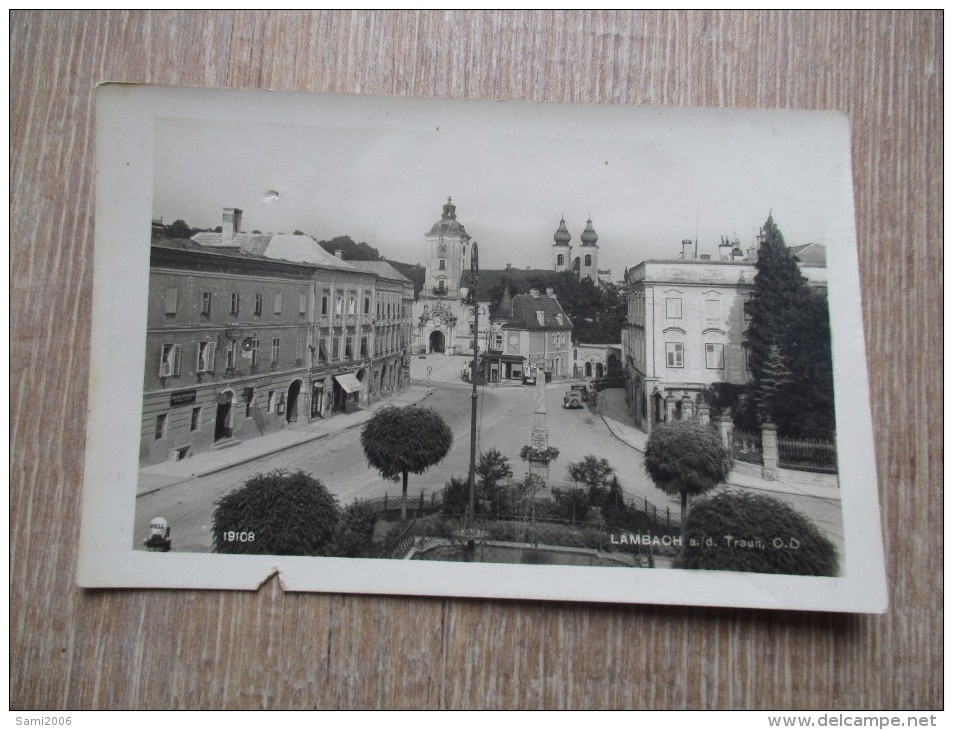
x=529, y=380
x=572, y=399
x=609, y=381
x=583, y=391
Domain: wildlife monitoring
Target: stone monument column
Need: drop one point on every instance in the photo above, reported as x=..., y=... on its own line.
x=540, y=436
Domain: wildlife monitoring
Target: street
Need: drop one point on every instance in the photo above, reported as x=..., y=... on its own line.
x=504, y=421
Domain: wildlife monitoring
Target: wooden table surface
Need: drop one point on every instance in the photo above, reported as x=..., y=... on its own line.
x=76, y=649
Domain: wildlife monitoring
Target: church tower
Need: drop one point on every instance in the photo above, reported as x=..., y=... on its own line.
x=446, y=254
x=562, y=251
x=589, y=254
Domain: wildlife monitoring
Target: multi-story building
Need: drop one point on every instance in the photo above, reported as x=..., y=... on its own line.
x=686, y=324
x=263, y=333
x=527, y=331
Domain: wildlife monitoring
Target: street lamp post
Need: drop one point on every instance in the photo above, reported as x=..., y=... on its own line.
x=474, y=275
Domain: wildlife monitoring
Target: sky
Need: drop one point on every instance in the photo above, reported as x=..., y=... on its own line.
x=379, y=170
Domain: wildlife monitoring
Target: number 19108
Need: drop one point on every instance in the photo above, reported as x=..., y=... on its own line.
x=232, y=536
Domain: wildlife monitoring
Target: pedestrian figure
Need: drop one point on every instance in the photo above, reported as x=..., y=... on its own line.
x=160, y=536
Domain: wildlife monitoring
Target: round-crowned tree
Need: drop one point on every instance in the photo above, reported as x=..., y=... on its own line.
x=278, y=513
x=409, y=440
x=686, y=458
x=754, y=533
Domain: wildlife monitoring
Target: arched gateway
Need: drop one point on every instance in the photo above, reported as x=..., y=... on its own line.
x=437, y=341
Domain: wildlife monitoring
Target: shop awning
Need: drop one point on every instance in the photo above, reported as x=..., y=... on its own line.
x=349, y=382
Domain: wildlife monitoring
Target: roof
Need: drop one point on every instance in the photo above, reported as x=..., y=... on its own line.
x=283, y=246
x=184, y=244
x=490, y=279
x=382, y=269
x=524, y=314
x=810, y=254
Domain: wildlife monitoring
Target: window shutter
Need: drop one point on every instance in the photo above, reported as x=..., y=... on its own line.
x=171, y=300
x=278, y=303
x=198, y=358
x=210, y=359
x=177, y=365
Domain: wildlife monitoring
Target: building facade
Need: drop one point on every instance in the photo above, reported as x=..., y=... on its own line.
x=240, y=344
x=686, y=329
x=595, y=361
x=527, y=331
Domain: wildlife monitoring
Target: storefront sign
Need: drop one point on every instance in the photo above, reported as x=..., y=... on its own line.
x=182, y=398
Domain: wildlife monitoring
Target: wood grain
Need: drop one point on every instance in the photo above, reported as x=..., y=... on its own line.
x=169, y=649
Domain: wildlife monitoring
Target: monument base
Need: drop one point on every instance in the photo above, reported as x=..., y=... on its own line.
x=541, y=469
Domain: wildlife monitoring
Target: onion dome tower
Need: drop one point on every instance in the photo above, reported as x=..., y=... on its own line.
x=589, y=255
x=562, y=251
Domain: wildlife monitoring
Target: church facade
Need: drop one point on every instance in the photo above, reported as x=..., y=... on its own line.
x=442, y=319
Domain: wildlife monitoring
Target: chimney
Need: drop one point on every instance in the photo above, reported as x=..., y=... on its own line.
x=338, y=253
x=534, y=293
x=231, y=223
x=549, y=292
x=509, y=266
x=687, y=244
x=724, y=249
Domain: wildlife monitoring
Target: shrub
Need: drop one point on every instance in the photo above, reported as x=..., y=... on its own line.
x=279, y=513
x=456, y=496
x=355, y=530
x=754, y=533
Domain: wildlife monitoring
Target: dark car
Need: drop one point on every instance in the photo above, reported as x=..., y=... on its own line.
x=609, y=381
x=572, y=399
x=583, y=391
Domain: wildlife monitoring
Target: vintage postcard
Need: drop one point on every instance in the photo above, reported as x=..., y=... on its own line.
x=471, y=348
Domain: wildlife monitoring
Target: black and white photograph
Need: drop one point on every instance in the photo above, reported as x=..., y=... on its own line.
x=395, y=345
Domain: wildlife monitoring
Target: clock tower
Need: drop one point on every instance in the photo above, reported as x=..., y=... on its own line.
x=438, y=309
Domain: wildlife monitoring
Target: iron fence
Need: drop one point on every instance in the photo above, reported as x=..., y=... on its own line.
x=746, y=447
x=815, y=455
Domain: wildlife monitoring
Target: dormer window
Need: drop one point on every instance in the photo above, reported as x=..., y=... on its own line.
x=541, y=317
x=559, y=319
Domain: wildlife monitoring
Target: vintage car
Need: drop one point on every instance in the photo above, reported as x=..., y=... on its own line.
x=583, y=391
x=572, y=399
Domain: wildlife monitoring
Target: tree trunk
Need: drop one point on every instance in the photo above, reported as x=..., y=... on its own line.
x=403, y=501
x=684, y=507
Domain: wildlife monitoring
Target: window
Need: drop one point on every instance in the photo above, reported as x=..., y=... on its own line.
x=440, y=290
x=351, y=304
x=712, y=309
x=560, y=260
x=299, y=349
x=364, y=351
x=673, y=307
x=275, y=349
x=348, y=350
x=325, y=301
x=498, y=340
x=206, y=358
x=714, y=356
x=233, y=309
x=339, y=304
x=336, y=347
x=161, y=420
x=271, y=401
x=559, y=319
x=206, y=303
x=249, y=402
x=302, y=304
x=471, y=328
x=323, y=351
x=231, y=348
x=171, y=361
x=588, y=260
x=442, y=264
x=674, y=355
x=258, y=305
x=541, y=317
x=196, y=421
x=171, y=301
x=278, y=302
x=254, y=351
x=367, y=304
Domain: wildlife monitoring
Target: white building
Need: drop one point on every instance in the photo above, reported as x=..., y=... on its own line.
x=686, y=328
